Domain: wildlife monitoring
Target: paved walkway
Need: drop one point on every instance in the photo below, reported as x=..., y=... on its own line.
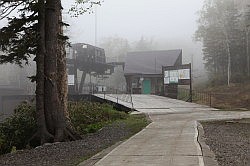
x=171, y=138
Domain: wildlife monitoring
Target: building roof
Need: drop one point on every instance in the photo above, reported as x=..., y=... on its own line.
x=150, y=62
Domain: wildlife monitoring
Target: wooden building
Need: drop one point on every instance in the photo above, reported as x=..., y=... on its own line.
x=143, y=70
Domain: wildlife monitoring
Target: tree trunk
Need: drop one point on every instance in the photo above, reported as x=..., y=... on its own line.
x=55, y=93
x=64, y=129
x=42, y=132
x=61, y=80
x=51, y=43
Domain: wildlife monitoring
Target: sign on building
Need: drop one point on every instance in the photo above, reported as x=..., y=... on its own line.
x=184, y=74
x=71, y=79
x=177, y=74
x=174, y=76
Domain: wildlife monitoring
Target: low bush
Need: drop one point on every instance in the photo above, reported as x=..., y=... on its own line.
x=16, y=130
x=87, y=117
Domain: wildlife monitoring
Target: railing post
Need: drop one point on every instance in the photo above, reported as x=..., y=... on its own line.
x=132, y=104
x=131, y=99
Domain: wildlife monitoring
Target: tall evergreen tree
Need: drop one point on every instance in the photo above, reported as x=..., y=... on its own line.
x=37, y=31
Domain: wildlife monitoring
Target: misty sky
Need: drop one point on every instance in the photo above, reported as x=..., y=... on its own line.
x=131, y=19
x=170, y=23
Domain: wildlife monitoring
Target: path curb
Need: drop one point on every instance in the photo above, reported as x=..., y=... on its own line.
x=207, y=153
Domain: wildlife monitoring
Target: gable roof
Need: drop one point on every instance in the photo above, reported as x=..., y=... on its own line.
x=150, y=62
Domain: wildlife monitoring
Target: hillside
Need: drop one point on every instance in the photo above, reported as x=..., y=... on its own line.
x=236, y=96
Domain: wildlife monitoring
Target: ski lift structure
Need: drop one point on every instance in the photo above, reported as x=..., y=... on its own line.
x=83, y=59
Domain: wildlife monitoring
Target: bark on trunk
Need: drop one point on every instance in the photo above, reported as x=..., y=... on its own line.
x=56, y=88
x=42, y=132
x=51, y=87
x=64, y=129
x=51, y=43
x=61, y=81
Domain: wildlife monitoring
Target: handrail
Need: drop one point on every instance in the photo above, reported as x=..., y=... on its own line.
x=119, y=95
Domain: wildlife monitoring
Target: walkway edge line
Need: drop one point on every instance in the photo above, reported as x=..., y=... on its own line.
x=199, y=151
x=124, y=142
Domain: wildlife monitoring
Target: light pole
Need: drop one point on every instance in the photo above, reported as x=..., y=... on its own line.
x=95, y=25
x=247, y=50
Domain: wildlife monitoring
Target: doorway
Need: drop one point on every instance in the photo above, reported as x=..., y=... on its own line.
x=146, y=87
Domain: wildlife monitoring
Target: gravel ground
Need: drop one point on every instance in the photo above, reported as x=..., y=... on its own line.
x=230, y=141
x=68, y=153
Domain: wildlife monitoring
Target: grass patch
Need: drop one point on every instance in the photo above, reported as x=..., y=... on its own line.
x=230, y=97
x=87, y=117
x=135, y=123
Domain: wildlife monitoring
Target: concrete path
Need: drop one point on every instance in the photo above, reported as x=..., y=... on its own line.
x=171, y=138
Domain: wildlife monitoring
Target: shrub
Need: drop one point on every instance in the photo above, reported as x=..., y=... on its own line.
x=89, y=117
x=16, y=130
x=86, y=117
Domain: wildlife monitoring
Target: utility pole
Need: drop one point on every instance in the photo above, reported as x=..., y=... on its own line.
x=228, y=59
x=95, y=25
x=247, y=51
x=192, y=66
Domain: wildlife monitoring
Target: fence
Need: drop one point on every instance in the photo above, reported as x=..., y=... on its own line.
x=118, y=95
x=200, y=97
x=230, y=100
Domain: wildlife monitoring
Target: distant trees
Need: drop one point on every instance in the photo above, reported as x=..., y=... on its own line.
x=115, y=47
x=118, y=47
x=144, y=44
x=225, y=41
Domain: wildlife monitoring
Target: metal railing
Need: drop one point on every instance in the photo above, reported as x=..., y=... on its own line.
x=202, y=97
x=199, y=97
x=118, y=95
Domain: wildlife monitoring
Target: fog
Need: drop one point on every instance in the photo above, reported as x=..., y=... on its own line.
x=171, y=24
x=160, y=19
